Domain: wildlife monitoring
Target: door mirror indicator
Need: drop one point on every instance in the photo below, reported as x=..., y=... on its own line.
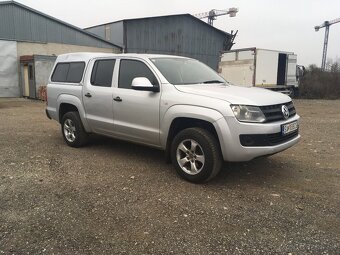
x=142, y=83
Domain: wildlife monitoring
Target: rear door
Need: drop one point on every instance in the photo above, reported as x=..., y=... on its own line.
x=136, y=113
x=282, y=69
x=291, y=70
x=97, y=95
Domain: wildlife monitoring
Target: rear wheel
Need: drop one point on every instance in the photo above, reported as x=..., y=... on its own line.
x=196, y=155
x=73, y=130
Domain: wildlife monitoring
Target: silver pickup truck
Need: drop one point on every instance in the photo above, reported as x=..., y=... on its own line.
x=172, y=103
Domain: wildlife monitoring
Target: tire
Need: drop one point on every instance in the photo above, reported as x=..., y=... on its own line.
x=196, y=155
x=73, y=130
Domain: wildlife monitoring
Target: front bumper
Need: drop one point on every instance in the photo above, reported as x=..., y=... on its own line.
x=229, y=130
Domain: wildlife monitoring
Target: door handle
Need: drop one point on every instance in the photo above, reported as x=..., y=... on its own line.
x=88, y=95
x=118, y=99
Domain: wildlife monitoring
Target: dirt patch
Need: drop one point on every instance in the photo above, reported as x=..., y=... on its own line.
x=113, y=197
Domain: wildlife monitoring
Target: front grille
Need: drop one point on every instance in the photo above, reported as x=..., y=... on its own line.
x=266, y=139
x=278, y=138
x=274, y=112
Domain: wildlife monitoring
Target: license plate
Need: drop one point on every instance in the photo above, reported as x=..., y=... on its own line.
x=289, y=128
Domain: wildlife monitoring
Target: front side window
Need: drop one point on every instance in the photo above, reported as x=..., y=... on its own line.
x=182, y=71
x=130, y=69
x=71, y=72
x=102, y=72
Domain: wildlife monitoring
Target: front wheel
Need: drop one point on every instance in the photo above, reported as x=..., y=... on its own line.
x=73, y=130
x=196, y=155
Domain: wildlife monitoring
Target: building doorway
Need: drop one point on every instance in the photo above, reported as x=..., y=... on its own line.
x=27, y=77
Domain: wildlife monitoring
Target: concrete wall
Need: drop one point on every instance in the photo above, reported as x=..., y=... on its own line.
x=43, y=66
x=27, y=48
x=9, y=74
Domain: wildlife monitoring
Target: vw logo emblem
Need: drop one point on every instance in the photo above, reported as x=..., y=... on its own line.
x=285, y=111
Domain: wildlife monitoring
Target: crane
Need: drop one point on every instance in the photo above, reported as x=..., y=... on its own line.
x=211, y=15
x=326, y=24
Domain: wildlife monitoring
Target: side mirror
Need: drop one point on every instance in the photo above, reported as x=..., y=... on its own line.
x=142, y=83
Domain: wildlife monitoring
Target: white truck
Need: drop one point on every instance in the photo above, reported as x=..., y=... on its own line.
x=271, y=69
x=172, y=103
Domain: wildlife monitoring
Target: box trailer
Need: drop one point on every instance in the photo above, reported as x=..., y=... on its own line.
x=271, y=69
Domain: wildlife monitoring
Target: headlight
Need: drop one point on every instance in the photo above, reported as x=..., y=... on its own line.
x=248, y=113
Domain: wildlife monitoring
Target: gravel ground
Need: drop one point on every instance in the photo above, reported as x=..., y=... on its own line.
x=113, y=197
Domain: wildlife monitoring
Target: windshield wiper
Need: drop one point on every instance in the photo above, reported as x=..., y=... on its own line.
x=212, y=81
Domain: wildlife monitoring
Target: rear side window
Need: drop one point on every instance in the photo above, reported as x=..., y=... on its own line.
x=68, y=72
x=60, y=72
x=130, y=69
x=75, y=72
x=102, y=72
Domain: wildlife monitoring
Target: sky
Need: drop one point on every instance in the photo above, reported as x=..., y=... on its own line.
x=286, y=25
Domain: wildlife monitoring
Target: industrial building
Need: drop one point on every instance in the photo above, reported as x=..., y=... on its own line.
x=182, y=34
x=29, y=43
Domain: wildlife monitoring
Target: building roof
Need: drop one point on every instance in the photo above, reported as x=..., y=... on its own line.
x=165, y=16
x=79, y=30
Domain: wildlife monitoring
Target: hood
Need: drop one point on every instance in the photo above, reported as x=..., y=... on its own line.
x=236, y=94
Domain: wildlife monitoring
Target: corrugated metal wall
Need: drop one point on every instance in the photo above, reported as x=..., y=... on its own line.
x=21, y=24
x=115, y=35
x=178, y=35
x=99, y=31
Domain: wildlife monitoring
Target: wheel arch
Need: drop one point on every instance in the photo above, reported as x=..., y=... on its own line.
x=66, y=107
x=68, y=103
x=183, y=117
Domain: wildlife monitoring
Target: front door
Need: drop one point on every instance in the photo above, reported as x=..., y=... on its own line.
x=136, y=113
x=97, y=96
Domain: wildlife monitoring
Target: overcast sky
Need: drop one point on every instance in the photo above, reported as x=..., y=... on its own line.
x=272, y=24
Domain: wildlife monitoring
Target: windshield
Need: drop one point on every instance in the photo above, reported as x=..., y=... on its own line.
x=182, y=71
